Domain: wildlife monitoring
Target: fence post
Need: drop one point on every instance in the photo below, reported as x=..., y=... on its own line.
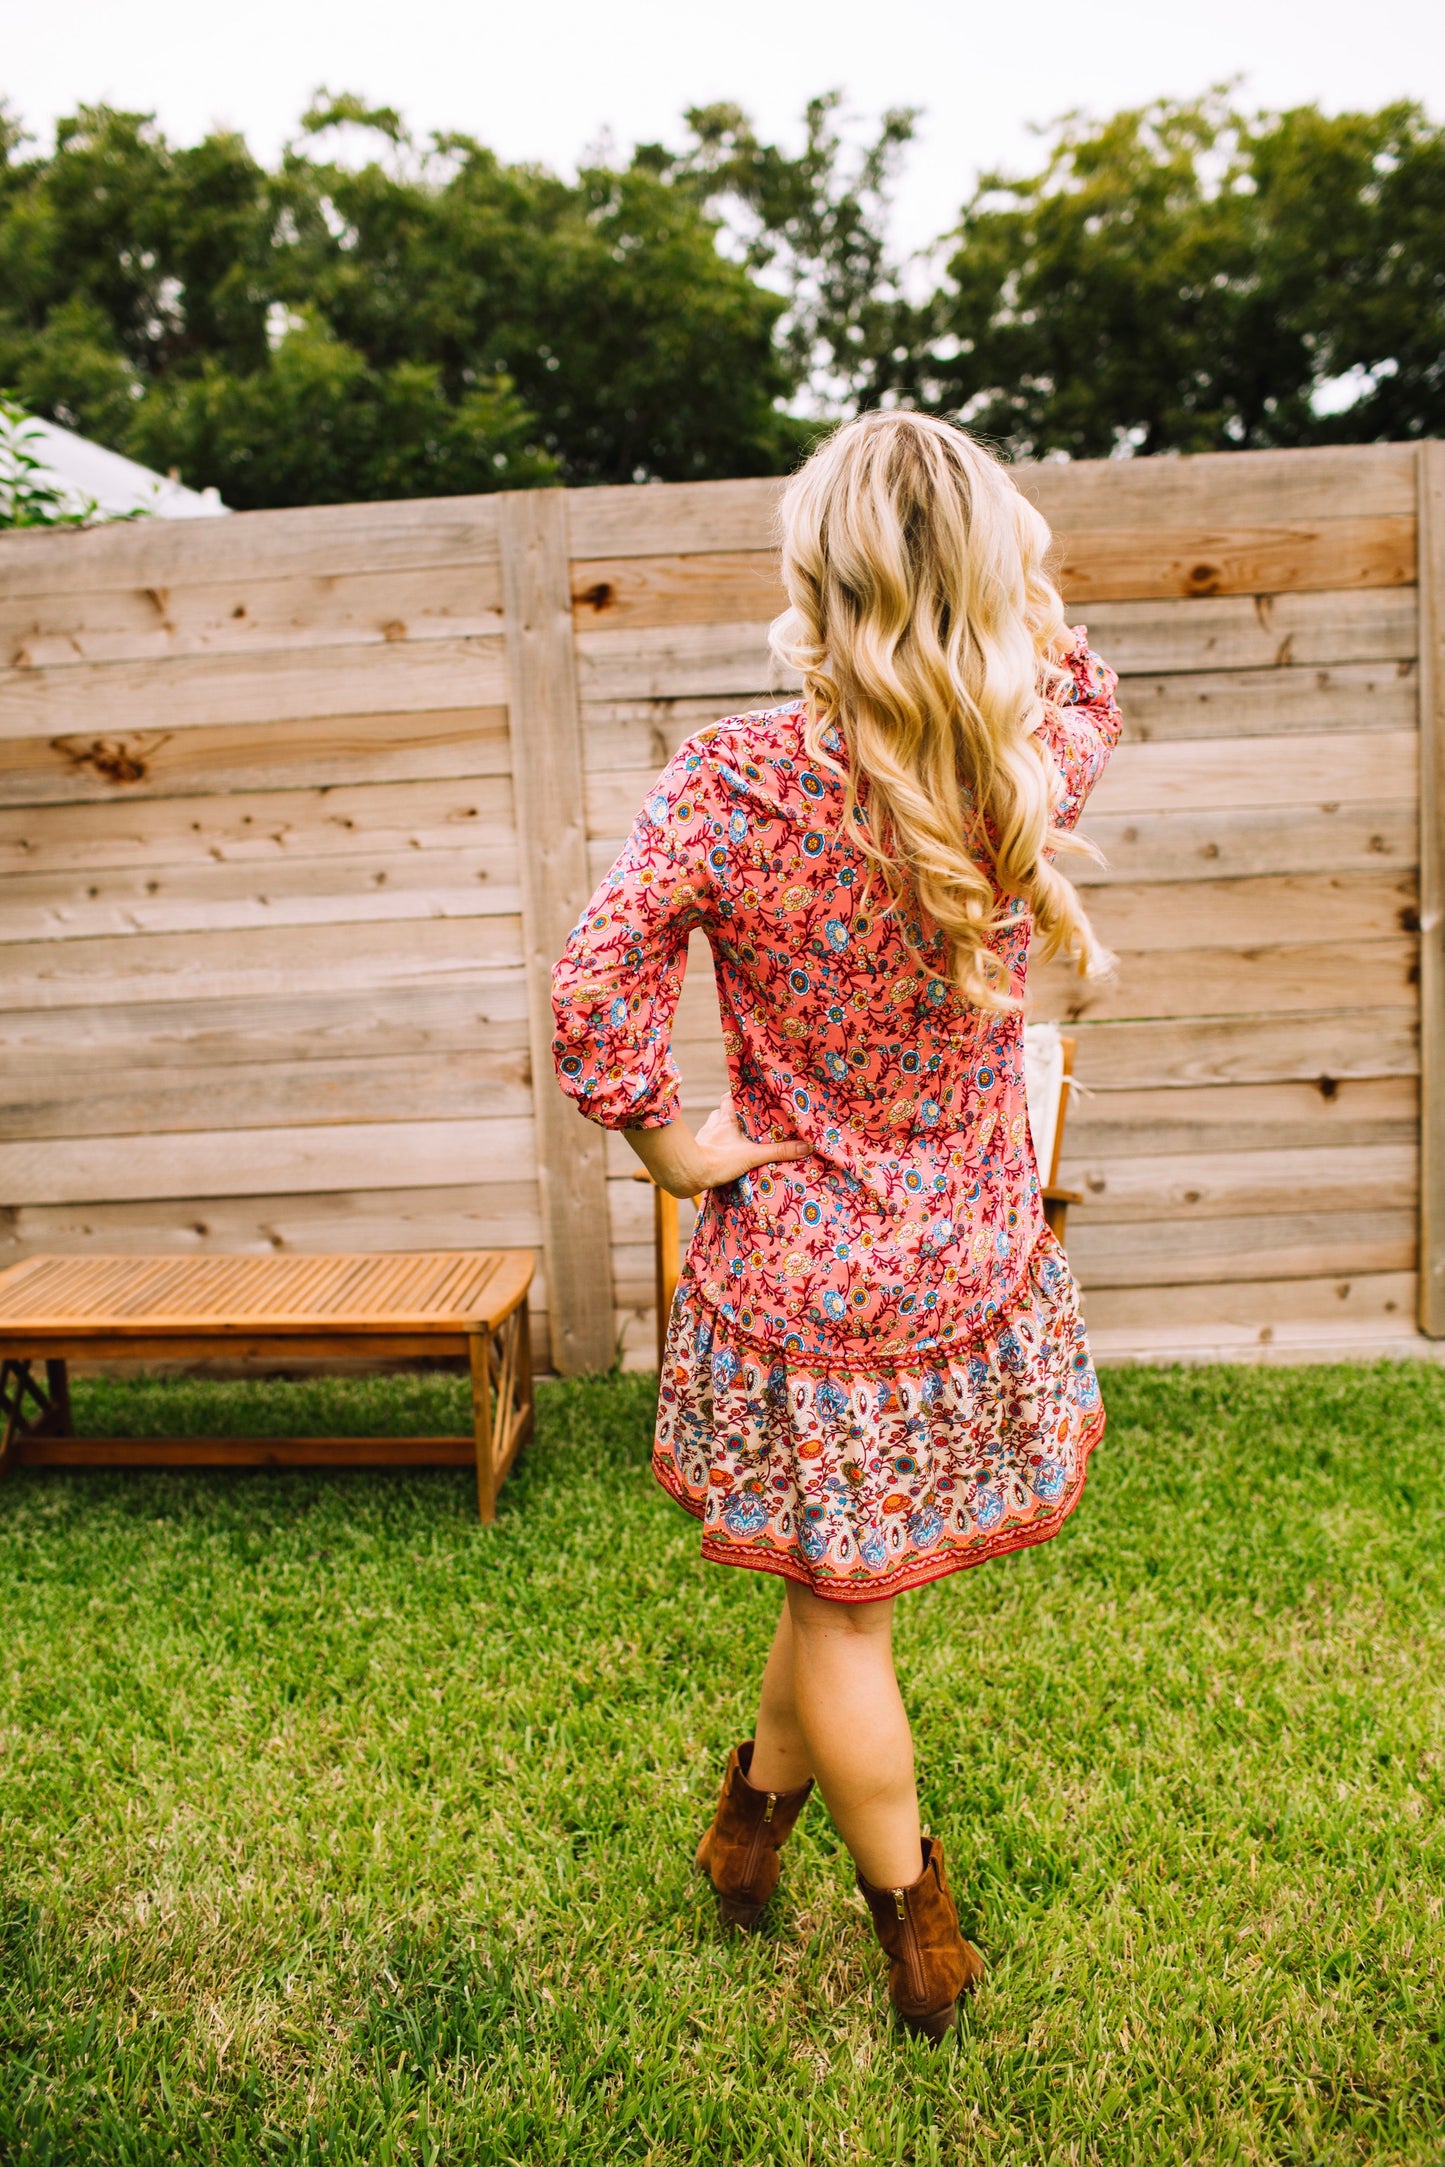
x=546, y=736
x=1431, y=531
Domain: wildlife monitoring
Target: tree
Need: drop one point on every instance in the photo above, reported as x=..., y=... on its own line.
x=428, y=319
x=1184, y=278
x=426, y=323
x=817, y=226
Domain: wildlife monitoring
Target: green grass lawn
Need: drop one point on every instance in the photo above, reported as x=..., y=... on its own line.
x=334, y=1827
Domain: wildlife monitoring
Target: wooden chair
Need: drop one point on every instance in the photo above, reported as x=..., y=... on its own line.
x=470, y=1304
x=1050, y=1076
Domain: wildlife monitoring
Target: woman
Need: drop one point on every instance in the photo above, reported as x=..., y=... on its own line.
x=875, y=1370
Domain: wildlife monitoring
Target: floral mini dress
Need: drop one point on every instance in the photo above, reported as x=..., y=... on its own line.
x=875, y=1370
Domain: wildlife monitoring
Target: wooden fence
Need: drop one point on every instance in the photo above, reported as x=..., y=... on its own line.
x=296, y=809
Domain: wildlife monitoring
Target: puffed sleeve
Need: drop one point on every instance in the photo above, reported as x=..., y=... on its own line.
x=1081, y=726
x=616, y=983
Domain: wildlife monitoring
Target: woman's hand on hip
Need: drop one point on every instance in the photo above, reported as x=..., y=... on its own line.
x=685, y=1164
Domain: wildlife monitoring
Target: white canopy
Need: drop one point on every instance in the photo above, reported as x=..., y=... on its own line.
x=88, y=472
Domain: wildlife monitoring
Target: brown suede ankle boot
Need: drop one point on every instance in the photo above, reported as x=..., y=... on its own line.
x=739, y=1853
x=930, y=1963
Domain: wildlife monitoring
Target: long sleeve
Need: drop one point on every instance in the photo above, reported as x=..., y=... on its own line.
x=616, y=983
x=1081, y=726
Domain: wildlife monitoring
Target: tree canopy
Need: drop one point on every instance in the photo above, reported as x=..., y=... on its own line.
x=428, y=319
x=1181, y=278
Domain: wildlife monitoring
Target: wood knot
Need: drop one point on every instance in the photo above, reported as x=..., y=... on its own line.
x=115, y=759
x=1328, y=1086
x=600, y=597
x=1202, y=579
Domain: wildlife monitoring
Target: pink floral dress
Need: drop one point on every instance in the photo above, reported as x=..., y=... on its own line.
x=876, y=1371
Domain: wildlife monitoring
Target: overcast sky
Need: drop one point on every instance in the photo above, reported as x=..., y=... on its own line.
x=542, y=79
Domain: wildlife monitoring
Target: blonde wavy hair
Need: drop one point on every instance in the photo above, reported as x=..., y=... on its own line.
x=929, y=636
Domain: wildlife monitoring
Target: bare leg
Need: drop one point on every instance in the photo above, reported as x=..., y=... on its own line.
x=780, y=1753
x=847, y=1725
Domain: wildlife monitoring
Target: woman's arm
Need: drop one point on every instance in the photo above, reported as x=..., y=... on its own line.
x=616, y=984
x=685, y=1164
x=1081, y=724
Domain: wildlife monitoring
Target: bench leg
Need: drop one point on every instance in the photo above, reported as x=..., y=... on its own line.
x=526, y=1405
x=479, y=1353
x=502, y=1404
x=20, y=1390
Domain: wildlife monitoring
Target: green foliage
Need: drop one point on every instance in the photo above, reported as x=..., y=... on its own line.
x=1186, y=278
x=379, y=318
x=29, y=494
x=819, y=232
x=338, y=1829
x=425, y=323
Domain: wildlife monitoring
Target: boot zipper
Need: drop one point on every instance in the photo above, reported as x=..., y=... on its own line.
x=755, y=1847
x=912, y=1960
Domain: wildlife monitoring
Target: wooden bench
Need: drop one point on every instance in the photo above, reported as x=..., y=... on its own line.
x=469, y=1303
x=1049, y=1066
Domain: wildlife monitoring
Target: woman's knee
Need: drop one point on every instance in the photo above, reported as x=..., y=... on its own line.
x=810, y=1614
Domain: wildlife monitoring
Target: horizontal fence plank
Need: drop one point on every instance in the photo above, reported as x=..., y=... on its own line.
x=106, y=769
x=730, y=662
x=1208, y=703
x=1192, y=774
x=1155, y=562
x=414, y=535
x=646, y=733
x=629, y=594
x=95, y=1098
x=1373, y=481
x=265, y=827
x=1170, y=1054
x=1218, y=844
x=1258, y=1310
x=1251, y=632
x=632, y=1272
x=248, y=616
x=289, y=1160
x=212, y=898
x=1290, y=908
x=1273, y=1245
x=686, y=517
x=1324, y=767
x=1307, y=908
x=1236, y=1184
x=1334, y=1043
x=1097, y=564
x=190, y=966
x=501, y=1215
x=287, y=685
x=1228, y=488
x=324, y=1023
x=1232, y=982
x=1217, y=1085
x=1104, y=1126
x=1233, y=842
x=1301, y=1347
x=1269, y=703
x=677, y=661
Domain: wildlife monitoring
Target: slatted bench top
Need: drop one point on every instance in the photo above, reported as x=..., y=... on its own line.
x=444, y=1291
